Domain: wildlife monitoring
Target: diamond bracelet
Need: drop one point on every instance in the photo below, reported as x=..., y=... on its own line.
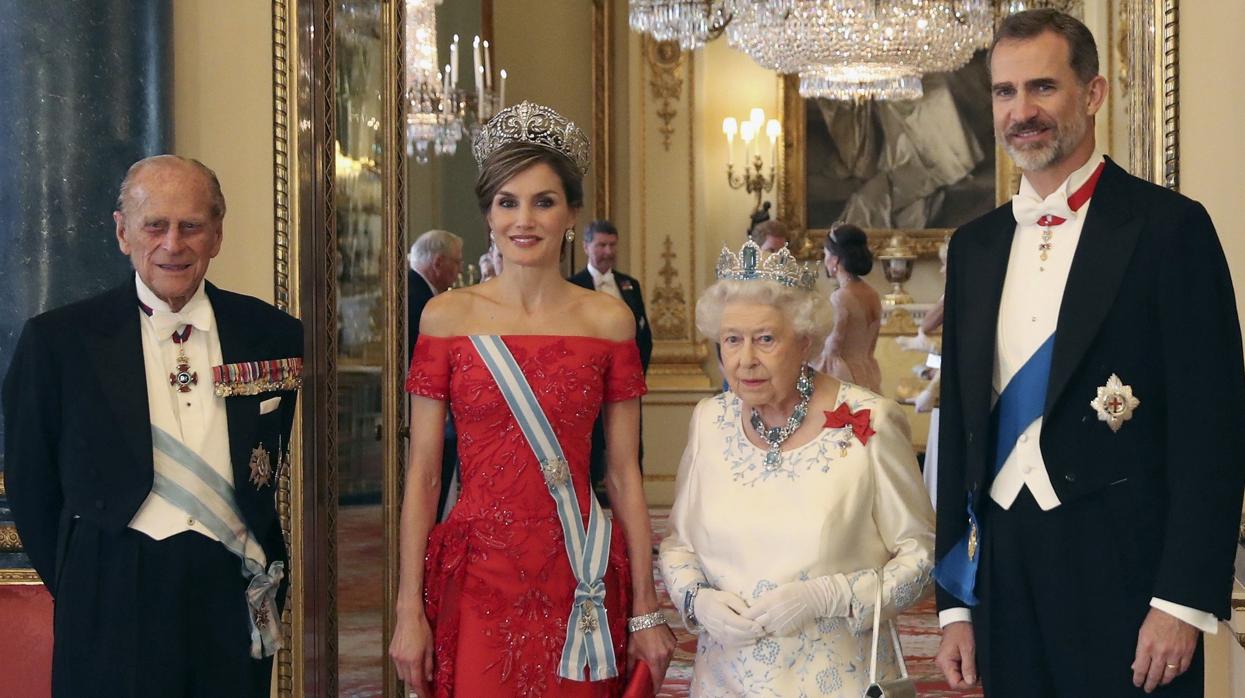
x=646, y=621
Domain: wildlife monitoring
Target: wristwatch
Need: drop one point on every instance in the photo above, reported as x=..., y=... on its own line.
x=689, y=608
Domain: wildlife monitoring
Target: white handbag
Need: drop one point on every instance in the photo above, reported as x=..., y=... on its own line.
x=901, y=687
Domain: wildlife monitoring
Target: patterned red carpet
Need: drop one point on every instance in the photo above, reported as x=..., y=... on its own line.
x=361, y=648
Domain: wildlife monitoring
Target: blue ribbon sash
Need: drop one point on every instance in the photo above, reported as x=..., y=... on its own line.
x=186, y=481
x=587, y=630
x=1020, y=405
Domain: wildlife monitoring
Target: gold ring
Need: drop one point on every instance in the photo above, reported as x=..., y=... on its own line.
x=1173, y=666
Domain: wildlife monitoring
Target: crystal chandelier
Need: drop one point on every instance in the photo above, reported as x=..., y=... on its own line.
x=860, y=49
x=689, y=22
x=439, y=113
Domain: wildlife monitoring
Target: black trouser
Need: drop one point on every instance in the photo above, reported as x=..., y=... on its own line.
x=1064, y=593
x=140, y=617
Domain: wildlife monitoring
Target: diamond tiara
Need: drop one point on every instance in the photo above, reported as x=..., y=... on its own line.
x=526, y=122
x=751, y=265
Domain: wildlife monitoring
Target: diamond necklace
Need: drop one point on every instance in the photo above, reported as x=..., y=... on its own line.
x=775, y=436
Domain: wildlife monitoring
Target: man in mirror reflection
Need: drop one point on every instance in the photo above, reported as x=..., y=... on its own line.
x=771, y=235
x=146, y=498
x=602, y=274
x=1089, y=476
x=436, y=258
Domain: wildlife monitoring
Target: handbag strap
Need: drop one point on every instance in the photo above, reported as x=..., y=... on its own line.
x=877, y=627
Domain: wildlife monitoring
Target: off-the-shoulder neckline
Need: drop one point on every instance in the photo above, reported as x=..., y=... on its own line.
x=525, y=336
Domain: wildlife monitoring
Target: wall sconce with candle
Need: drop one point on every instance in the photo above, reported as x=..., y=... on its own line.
x=753, y=180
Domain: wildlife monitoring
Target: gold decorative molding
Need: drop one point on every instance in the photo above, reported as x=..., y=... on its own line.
x=665, y=60
x=669, y=305
x=9, y=541
x=19, y=576
x=1, y=483
x=602, y=103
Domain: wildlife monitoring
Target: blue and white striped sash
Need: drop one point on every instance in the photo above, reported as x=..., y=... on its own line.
x=186, y=481
x=587, y=630
x=1020, y=404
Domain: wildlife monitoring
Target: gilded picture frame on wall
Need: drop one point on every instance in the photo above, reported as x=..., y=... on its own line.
x=1137, y=128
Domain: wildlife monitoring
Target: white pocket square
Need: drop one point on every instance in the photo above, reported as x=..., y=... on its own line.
x=269, y=405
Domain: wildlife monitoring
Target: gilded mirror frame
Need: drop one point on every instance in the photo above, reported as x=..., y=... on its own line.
x=1143, y=35
x=305, y=259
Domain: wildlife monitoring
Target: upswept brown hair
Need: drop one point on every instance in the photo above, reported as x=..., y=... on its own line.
x=509, y=160
x=1082, y=49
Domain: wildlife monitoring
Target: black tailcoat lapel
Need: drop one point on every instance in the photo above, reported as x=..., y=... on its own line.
x=1102, y=256
x=113, y=340
x=986, y=255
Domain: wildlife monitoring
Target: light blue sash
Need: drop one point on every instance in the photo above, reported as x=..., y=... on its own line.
x=1020, y=405
x=587, y=630
x=203, y=494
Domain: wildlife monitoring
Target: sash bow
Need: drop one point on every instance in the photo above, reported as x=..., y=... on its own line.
x=842, y=416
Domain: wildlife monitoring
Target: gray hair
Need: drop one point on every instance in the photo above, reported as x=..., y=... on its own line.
x=428, y=246
x=809, y=313
x=1082, y=49
x=127, y=184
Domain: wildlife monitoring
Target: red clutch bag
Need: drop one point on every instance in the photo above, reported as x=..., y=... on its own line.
x=640, y=683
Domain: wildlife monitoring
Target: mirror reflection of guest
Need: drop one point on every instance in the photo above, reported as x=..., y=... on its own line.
x=848, y=353
x=771, y=235
x=774, y=537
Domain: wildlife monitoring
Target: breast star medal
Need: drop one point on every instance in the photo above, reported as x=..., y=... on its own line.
x=261, y=468
x=1115, y=403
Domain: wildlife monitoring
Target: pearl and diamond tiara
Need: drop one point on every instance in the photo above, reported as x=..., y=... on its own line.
x=750, y=265
x=526, y=122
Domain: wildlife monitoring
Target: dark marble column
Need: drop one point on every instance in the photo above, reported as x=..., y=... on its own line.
x=85, y=90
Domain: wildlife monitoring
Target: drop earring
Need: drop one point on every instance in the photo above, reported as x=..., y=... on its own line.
x=570, y=235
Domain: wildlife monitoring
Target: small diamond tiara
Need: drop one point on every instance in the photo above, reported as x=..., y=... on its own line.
x=780, y=266
x=526, y=122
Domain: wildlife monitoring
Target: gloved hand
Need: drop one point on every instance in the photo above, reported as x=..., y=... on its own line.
x=784, y=610
x=918, y=343
x=720, y=614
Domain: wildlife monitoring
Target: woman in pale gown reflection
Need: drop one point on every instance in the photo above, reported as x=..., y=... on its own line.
x=848, y=353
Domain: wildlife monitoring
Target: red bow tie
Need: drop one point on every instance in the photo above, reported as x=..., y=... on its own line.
x=843, y=416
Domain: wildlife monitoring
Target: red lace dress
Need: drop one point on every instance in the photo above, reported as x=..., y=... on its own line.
x=498, y=586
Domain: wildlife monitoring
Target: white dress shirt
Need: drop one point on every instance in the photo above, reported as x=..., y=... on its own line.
x=604, y=282
x=197, y=417
x=1028, y=314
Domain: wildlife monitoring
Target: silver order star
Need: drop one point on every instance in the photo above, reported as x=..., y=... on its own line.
x=556, y=471
x=1115, y=403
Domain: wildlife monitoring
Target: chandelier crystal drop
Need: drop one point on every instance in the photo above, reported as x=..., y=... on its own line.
x=689, y=22
x=860, y=49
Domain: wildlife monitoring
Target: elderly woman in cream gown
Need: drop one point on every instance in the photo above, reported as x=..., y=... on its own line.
x=794, y=488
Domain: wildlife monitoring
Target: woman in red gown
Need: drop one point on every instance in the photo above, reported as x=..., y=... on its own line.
x=484, y=598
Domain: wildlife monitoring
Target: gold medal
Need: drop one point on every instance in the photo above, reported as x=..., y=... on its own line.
x=261, y=468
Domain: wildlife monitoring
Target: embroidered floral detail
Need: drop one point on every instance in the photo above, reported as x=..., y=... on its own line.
x=498, y=565
x=765, y=651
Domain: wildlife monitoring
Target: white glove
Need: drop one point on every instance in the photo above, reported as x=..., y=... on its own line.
x=918, y=343
x=720, y=613
x=783, y=611
x=926, y=400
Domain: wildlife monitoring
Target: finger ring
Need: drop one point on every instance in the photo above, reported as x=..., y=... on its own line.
x=1173, y=666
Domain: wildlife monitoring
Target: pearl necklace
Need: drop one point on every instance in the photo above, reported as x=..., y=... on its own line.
x=775, y=436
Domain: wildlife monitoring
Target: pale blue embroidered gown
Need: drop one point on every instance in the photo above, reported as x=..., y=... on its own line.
x=833, y=506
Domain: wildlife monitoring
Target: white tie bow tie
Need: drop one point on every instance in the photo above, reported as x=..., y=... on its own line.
x=1028, y=210
x=607, y=278
x=166, y=322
